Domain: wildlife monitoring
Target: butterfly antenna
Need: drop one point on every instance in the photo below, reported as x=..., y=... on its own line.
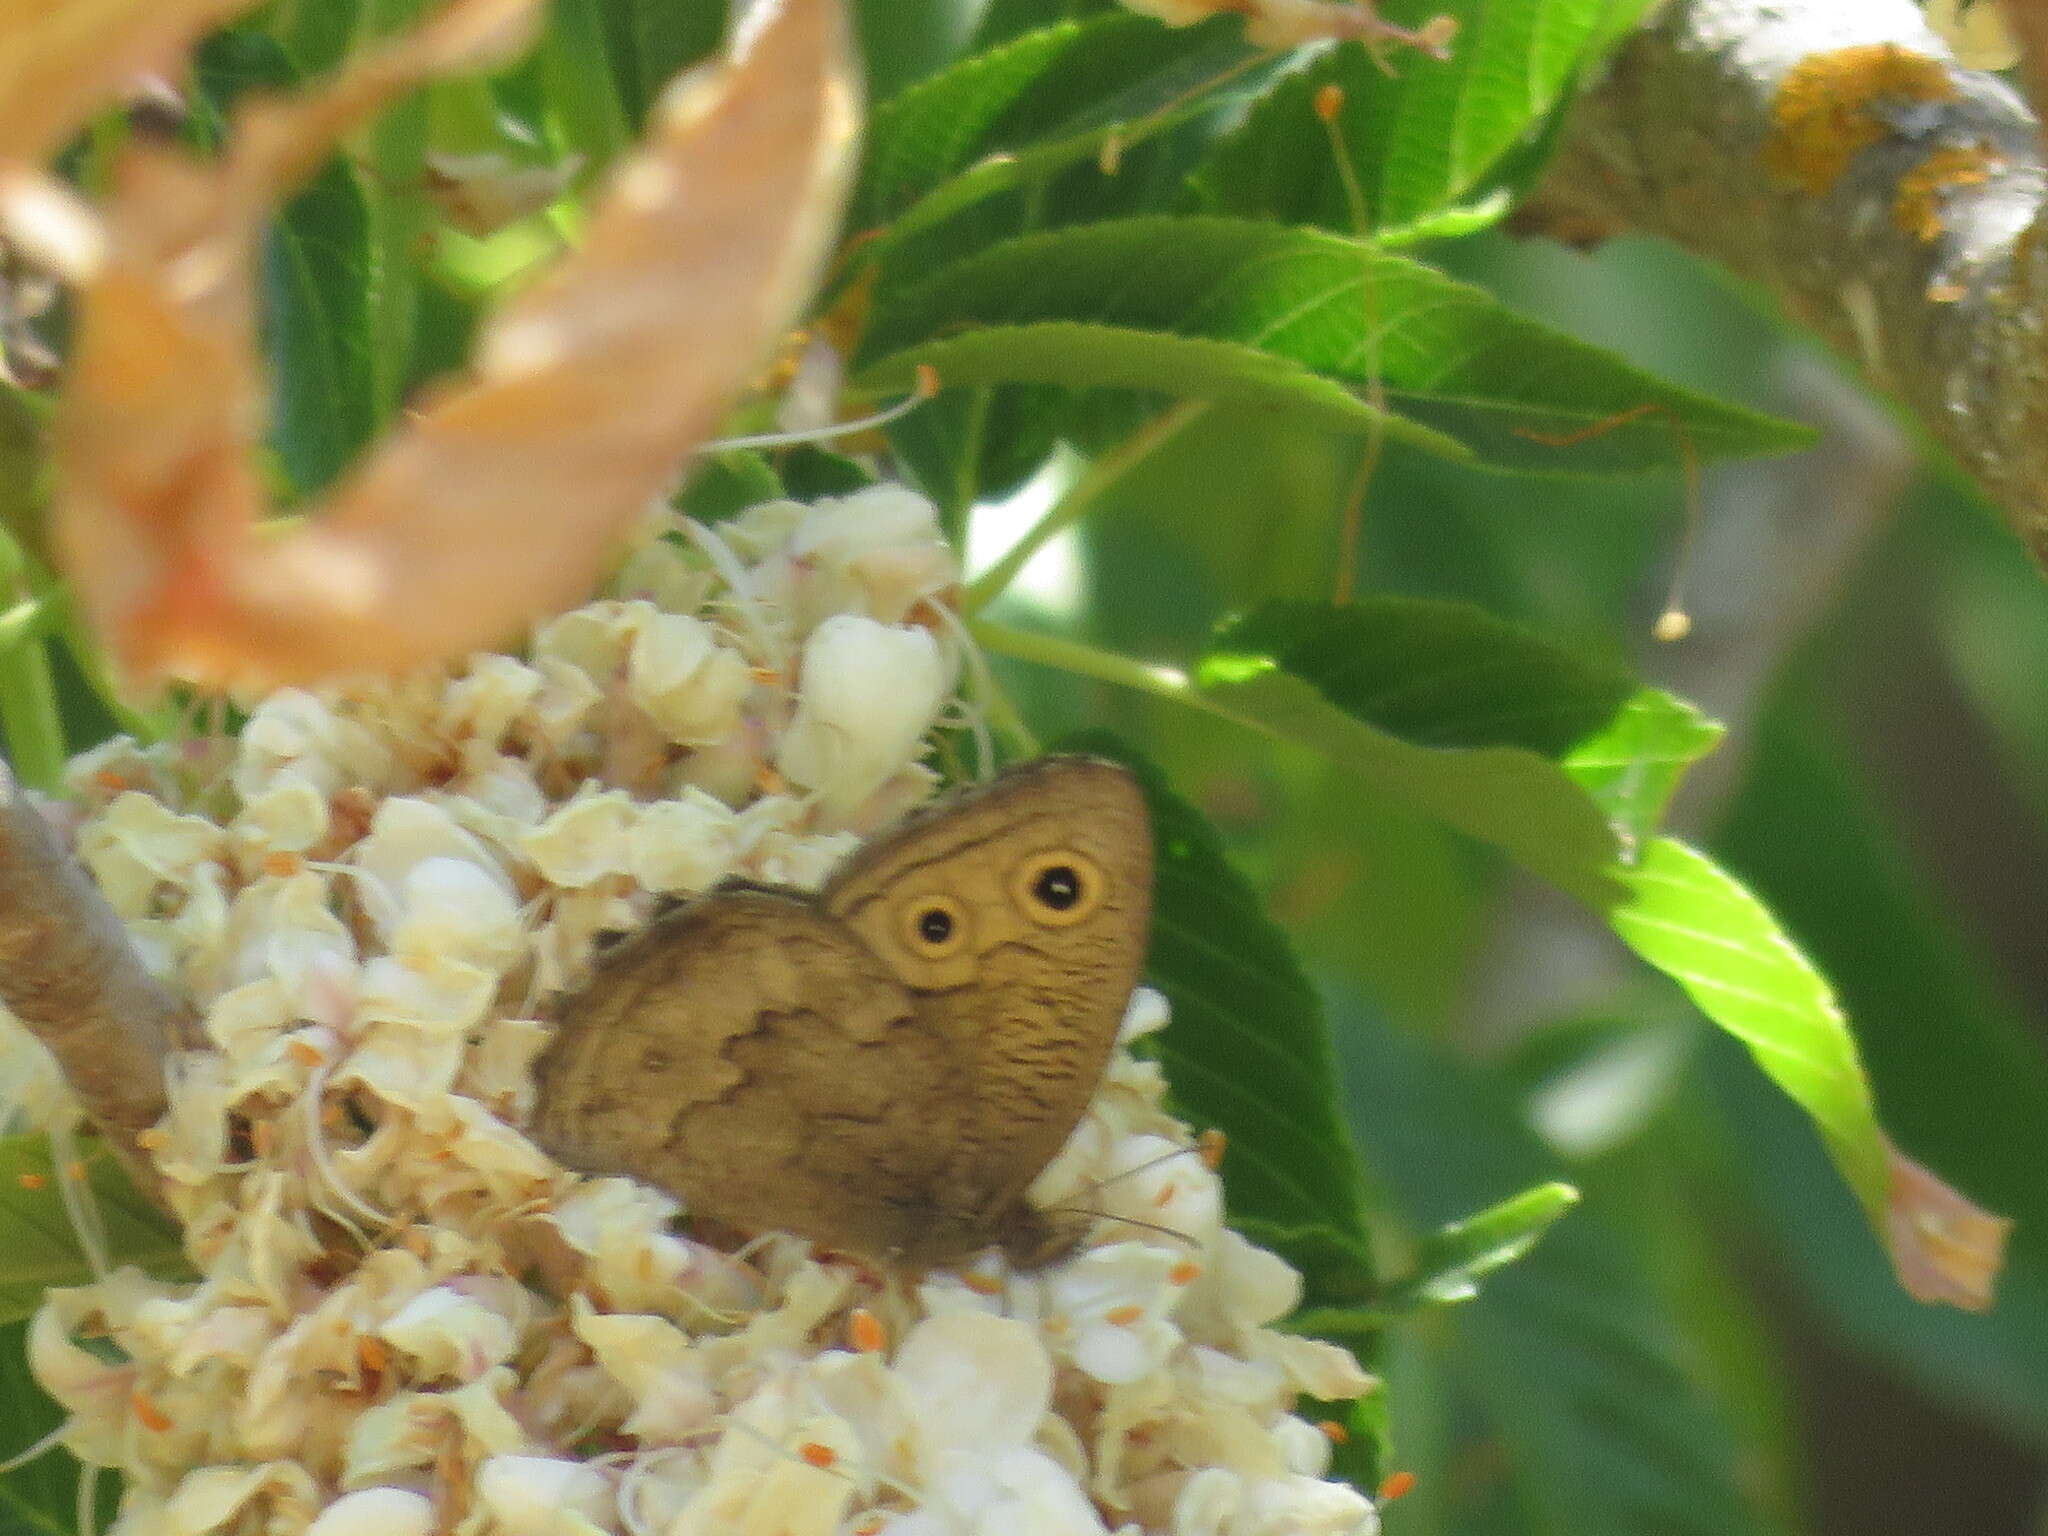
x=1095, y=1213
x=927, y=386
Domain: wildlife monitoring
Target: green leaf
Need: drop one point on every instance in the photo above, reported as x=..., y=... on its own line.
x=1480, y=725
x=1081, y=356
x=1457, y=1256
x=1957, y=1062
x=1634, y=766
x=1518, y=394
x=317, y=276
x=937, y=127
x=724, y=484
x=317, y=280
x=1247, y=1051
x=39, y=1498
x=1459, y=716
x=24, y=468
x=906, y=40
x=985, y=129
x=1419, y=138
x=649, y=42
x=1696, y=923
x=41, y=1250
x=1570, y=1376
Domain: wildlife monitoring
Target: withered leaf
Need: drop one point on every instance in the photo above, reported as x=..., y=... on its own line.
x=1945, y=1248
x=502, y=497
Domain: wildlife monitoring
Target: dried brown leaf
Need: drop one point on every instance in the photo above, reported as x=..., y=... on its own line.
x=63, y=60
x=1945, y=1248
x=501, y=499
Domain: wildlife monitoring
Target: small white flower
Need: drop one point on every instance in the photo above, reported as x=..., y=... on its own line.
x=866, y=696
x=689, y=684
x=1107, y=1309
x=376, y=1512
x=686, y=844
x=450, y=1336
x=138, y=849
x=542, y=1496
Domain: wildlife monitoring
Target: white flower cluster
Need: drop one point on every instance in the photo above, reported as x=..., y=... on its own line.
x=409, y=1319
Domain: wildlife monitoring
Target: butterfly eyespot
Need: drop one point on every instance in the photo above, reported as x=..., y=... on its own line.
x=1059, y=887
x=934, y=927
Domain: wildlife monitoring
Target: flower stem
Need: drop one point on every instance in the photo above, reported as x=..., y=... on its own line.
x=1099, y=477
x=1161, y=682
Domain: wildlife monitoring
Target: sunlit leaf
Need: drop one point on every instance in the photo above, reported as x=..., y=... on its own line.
x=1698, y=925
x=1518, y=394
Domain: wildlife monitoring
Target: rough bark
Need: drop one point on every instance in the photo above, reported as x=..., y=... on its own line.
x=70, y=974
x=1896, y=214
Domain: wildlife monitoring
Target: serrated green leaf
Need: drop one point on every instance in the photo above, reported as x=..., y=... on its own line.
x=1421, y=136
x=1119, y=83
x=1247, y=1051
x=937, y=127
x=41, y=1251
x=1079, y=356
x=1696, y=923
x=1461, y=717
x=1484, y=727
x=1518, y=394
x=317, y=275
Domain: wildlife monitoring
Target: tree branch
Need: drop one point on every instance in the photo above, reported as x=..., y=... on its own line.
x=1833, y=152
x=70, y=974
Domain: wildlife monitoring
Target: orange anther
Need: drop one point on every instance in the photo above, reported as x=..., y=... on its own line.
x=1211, y=1144
x=152, y=1417
x=1186, y=1272
x=1330, y=102
x=32, y=1181
x=1123, y=1317
x=1334, y=1432
x=282, y=864
x=818, y=1455
x=1397, y=1485
x=864, y=1331
x=306, y=1053
x=981, y=1284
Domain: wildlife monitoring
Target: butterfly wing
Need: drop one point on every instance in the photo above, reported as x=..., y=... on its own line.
x=749, y=1055
x=1017, y=916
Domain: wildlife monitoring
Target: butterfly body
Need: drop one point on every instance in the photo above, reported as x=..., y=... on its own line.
x=883, y=1067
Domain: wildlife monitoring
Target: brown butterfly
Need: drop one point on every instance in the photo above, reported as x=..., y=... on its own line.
x=885, y=1066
